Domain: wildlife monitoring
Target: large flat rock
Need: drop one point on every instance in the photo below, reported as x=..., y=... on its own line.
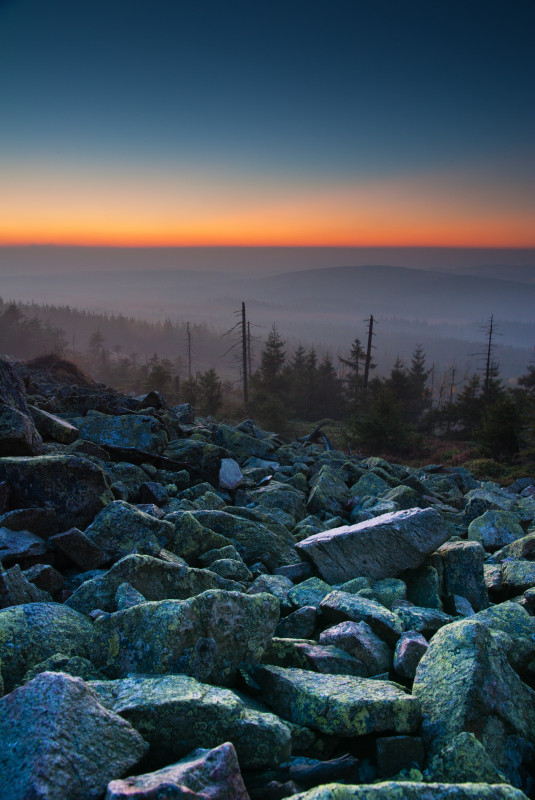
x=378, y=548
x=176, y=713
x=338, y=705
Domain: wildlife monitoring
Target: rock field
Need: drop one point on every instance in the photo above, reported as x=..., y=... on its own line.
x=190, y=609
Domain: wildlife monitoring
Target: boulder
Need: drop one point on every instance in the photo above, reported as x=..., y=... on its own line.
x=32, y=632
x=207, y=774
x=16, y=590
x=126, y=430
x=460, y=568
x=358, y=639
x=495, y=529
x=58, y=741
x=151, y=577
x=52, y=427
x=18, y=434
x=120, y=529
x=379, y=548
x=338, y=705
x=230, y=474
x=74, y=487
x=329, y=492
x=341, y=606
x=413, y=790
x=176, y=713
x=252, y=539
x=79, y=549
x=409, y=651
x=20, y=546
x=463, y=760
x=465, y=684
x=208, y=636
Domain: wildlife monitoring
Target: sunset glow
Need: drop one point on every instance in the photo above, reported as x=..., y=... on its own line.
x=284, y=129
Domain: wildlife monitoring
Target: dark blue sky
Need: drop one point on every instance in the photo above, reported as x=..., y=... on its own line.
x=251, y=122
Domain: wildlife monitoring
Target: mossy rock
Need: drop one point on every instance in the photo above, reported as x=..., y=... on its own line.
x=338, y=705
x=33, y=632
x=408, y=790
x=176, y=714
x=208, y=637
x=151, y=577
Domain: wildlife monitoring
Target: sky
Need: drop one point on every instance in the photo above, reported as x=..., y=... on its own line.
x=385, y=123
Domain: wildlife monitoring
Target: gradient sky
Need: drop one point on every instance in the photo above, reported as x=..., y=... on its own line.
x=338, y=122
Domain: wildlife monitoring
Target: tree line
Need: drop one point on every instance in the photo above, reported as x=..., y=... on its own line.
x=391, y=413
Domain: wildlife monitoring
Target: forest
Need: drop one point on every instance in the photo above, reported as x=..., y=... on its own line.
x=405, y=411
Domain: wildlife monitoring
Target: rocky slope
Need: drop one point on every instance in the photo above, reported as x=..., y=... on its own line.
x=190, y=609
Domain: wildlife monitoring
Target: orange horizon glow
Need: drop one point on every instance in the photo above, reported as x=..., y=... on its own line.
x=208, y=209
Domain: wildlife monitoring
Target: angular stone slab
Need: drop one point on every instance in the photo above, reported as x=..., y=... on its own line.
x=32, y=632
x=213, y=774
x=58, y=741
x=404, y=790
x=382, y=547
x=208, y=636
x=176, y=713
x=338, y=705
x=74, y=487
x=465, y=684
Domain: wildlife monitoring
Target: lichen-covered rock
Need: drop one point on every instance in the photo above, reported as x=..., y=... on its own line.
x=358, y=639
x=329, y=492
x=252, y=539
x=423, y=620
x=16, y=590
x=460, y=567
x=191, y=539
x=389, y=591
x=18, y=435
x=338, y=705
x=240, y=444
x=379, y=548
x=120, y=529
x=126, y=430
x=76, y=666
x=327, y=659
x=151, y=577
x=517, y=576
x=208, y=636
x=341, y=606
x=33, y=632
x=405, y=790
x=58, y=741
x=176, y=713
x=463, y=760
x=465, y=684
x=521, y=548
x=280, y=497
x=52, y=427
x=207, y=774
x=509, y=617
x=300, y=624
x=74, y=487
x=495, y=529
x=309, y=592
